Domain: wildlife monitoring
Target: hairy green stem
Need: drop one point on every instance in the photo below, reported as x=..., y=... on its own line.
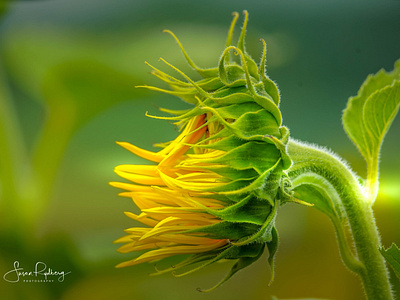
x=311, y=159
x=345, y=251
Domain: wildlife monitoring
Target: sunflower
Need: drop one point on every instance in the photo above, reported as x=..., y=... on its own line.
x=212, y=192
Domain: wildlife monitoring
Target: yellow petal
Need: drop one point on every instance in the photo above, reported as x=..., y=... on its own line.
x=131, y=247
x=130, y=187
x=142, y=218
x=152, y=156
x=188, y=186
x=150, y=170
x=141, y=179
x=166, y=229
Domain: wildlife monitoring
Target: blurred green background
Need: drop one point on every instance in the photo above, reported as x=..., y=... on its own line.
x=68, y=71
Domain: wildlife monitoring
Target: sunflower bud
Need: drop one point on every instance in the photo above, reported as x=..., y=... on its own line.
x=213, y=192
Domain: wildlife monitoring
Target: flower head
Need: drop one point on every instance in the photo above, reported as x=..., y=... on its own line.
x=212, y=192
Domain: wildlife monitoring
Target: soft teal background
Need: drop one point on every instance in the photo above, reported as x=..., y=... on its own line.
x=79, y=61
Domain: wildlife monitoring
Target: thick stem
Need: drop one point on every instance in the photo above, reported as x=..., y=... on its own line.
x=310, y=159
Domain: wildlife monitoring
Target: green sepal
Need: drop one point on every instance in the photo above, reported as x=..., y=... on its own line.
x=251, y=66
x=255, y=125
x=271, y=183
x=234, y=174
x=254, y=253
x=265, y=101
x=177, y=113
x=210, y=84
x=270, y=106
x=226, y=96
x=249, y=123
x=228, y=199
x=205, y=73
x=231, y=75
x=226, y=230
x=250, y=210
x=264, y=234
x=392, y=256
x=229, y=252
x=181, y=116
x=281, y=145
x=285, y=191
x=263, y=187
x=235, y=111
x=234, y=187
x=260, y=90
x=225, y=143
x=271, y=88
x=207, y=84
x=257, y=155
x=208, y=256
x=188, y=96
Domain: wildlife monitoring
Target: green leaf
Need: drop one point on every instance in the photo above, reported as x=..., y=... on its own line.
x=368, y=117
x=392, y=256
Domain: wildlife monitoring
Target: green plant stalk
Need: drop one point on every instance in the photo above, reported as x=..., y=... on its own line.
x=27, y=183
x=372, y=183
x=313, y=160
x=48, y=153
x=12, y=160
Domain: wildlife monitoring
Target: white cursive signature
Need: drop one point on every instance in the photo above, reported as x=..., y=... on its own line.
x=40, y=272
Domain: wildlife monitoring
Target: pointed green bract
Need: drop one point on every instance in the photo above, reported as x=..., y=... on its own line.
x=368, y=117
x=249, y=209
x=249, y=254
x=256, y=155
x=226, y=230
